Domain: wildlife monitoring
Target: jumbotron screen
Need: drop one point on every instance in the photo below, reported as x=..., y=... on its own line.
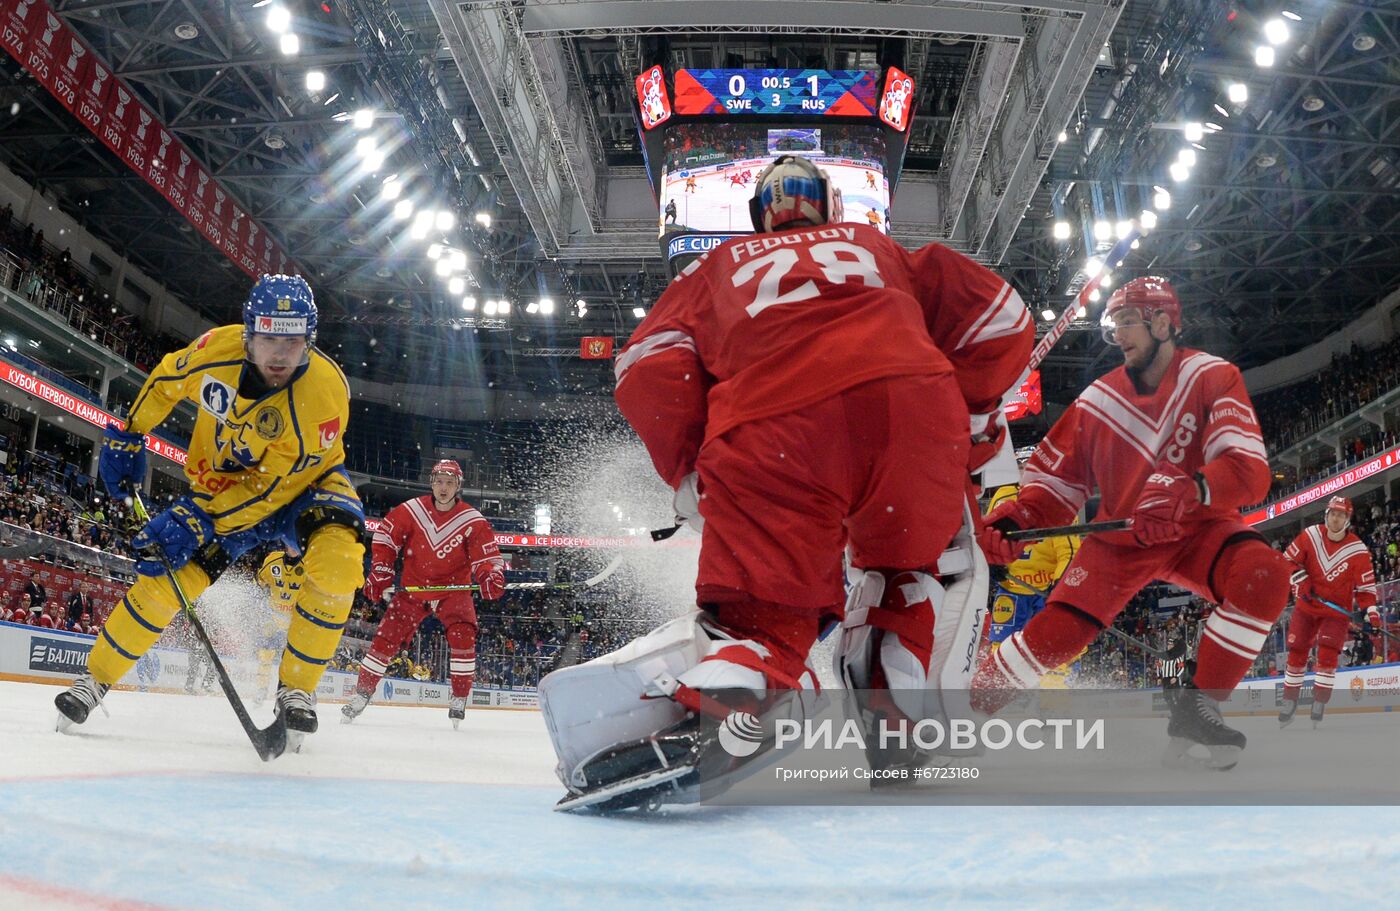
x=709, y=170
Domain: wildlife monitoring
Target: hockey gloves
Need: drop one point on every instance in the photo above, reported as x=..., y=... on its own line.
x=121, y=463
x=493, y=584
x=174, y=534
x=988, y=435
x=379, y=579
x=1168, y=495
x=991, y=536
x=686, y=503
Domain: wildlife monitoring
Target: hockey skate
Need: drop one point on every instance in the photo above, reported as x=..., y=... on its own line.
x=297, y=711
x=77, y=702
x=456, y=710
x=1285, y=714
x=352, y=709
x=1195, y=719
x=1318, y=708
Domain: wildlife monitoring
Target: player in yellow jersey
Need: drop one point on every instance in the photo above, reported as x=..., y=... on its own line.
x=1021, y=595
x=282, y=576
x=266, y=463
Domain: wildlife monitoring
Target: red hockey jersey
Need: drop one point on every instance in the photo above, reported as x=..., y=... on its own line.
x=439, y=548
x=1199, y=418
x=770, y=323
x=1338, y=571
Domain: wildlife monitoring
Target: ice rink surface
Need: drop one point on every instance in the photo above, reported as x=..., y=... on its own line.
x=165, y=806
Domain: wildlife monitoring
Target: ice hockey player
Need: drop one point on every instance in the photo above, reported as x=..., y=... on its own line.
x=281, y=576
x=1333, y=572
x=443, y=542
x=265, y=464
x=812, y=387
x=1170, y=440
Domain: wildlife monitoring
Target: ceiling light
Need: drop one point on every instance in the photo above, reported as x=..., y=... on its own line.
x=391, y=190
x=1093, y=266
x=434, y=251
x=532, y=307
x=1214, y=127
x=582, y=306
x=458, y=259
x=468, y=303
x=1123, y=229
x=1048, y=315
x=1263, y=55
x=365, y=145
x=1161, y=200
x=444, y=220
x=1179, y=172
x=546, y=306
x=1266, y=161
x=638, y=312
x=1312, y=103
x=423, y=217
x=443, y=268
x=489, y=308
x=187, y=31
x=403, y=209
x=1062, y=136
x=503, y=305
x=1363, y=42
x=483, y=219
x=1061, y=230
x=1276, y=31
x=363, y=118
x=1102, y=229
x=1094, y=296
x=1194, y=131
x=1187, y=157
x=279, y=18
x=1193, y=245
x=290, y=44
x=315, y=80
x=456, y=284
x=374, y=160
x=1238, y=93
x=1148, y=219
x=419, y=230
x=1291, y=15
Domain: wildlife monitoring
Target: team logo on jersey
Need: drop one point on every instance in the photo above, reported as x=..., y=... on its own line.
x=1075, y=577
x=268, y=423
x=215, y=397
x=328, y=432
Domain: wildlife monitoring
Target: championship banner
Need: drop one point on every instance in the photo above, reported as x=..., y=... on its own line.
x=86, y=411
x=595, y=347
x=67, y=67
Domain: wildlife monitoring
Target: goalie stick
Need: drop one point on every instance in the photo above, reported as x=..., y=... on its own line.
x=271, y=741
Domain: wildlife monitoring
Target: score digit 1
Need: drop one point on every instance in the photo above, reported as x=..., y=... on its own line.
x=812, y=84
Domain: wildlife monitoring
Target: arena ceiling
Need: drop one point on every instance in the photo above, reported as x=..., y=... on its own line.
x=1287, y=228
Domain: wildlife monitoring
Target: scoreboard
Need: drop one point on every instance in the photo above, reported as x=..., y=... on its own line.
x=707, y=133
x=849, y=93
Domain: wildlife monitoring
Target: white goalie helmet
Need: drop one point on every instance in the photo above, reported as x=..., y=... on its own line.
x=793, y=189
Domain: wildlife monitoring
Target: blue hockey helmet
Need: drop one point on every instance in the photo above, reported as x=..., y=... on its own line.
x=280, y=305
x=794, y=189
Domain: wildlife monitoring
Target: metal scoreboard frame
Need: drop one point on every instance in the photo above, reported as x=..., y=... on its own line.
x=773, y=99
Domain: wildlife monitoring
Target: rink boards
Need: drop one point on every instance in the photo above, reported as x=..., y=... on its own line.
x=34, y=654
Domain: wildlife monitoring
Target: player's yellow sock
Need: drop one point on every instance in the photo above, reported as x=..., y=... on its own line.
x=138, y=620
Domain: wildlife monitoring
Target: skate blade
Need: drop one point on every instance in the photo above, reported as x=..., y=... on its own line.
x=346, y=719
x=294, y=741
x=64, y=724
x=640, y=787
x=1284, y=722
x=1221, y=759
x=456, y=723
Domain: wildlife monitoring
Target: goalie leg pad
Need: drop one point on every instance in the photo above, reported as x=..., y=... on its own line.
x=887, y=636
x=650, y=686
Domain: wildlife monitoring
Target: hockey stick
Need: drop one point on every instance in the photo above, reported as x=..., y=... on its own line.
x=1061, y=325
x=271, y=741
x=1346, y=613
x=518, y=586
x=1086, y=528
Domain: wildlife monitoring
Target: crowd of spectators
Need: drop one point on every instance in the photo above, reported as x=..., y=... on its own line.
x=1289, y=413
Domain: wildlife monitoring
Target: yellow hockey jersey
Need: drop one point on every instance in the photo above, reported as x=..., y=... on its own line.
x=1043, y=563
x=248, y=457
x=282, y=581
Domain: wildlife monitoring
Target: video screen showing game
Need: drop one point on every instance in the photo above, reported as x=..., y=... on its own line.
x=709, y=169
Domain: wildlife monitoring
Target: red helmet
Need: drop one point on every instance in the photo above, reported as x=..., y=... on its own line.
x=1341, y=503
x=1147, y=295
x=448, y=467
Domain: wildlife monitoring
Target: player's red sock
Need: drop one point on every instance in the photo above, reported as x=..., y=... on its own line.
x=1052, y=637
x=372, y=668
x=1253, y=578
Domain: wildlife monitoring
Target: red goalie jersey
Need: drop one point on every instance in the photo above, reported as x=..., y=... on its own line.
x=1200, y=419
x=849, y=306
x=1338, y=571
x=439, y=548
